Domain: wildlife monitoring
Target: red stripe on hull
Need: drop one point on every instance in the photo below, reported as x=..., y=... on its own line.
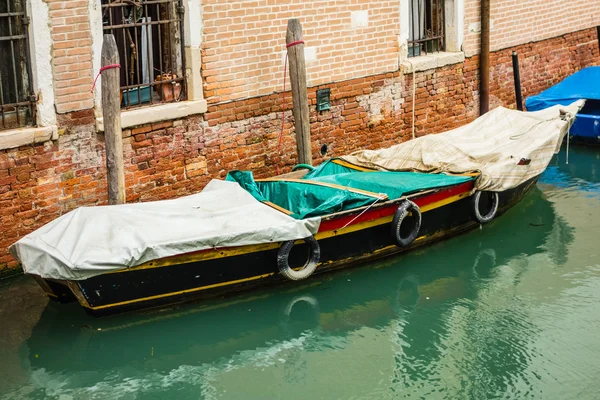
x=370, y=215
x=338, y=223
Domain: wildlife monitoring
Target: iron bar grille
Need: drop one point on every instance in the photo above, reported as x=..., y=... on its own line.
x=149, y=35
x=426, y=33
x=17, y=102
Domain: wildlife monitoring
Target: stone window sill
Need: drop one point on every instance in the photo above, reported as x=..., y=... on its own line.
x=162, y=112
x=432, y=61
x=23, y=136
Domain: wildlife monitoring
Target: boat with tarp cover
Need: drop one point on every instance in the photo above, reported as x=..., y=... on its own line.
x=585, y=85
x=243, y=232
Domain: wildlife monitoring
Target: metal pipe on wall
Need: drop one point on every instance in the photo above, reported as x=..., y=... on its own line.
x=484, y=59
x=517, y=76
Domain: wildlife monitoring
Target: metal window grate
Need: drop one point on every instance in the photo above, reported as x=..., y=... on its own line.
x=426, y=33
x=17, y=102
x=149, y=35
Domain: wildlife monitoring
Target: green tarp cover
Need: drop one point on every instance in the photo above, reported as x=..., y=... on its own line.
x=308, y=200
x=302, y=199
x=329, y=167
x=393, y=184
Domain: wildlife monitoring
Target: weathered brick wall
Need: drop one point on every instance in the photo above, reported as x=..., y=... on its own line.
x=166, y=160
x=71, y=54
x=515, y=22
x=244, y=43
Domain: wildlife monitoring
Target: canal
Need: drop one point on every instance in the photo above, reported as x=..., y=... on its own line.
x=509, y=311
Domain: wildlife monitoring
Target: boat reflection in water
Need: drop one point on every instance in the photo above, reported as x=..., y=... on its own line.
x=412, y=300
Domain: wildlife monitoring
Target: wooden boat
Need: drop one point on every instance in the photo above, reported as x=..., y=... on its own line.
x=390, y=290
x=583, y=84
x=244, y=233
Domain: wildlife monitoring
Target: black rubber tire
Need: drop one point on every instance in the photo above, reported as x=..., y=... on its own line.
x=476, y=212
x=401, y=213
x=309, y=267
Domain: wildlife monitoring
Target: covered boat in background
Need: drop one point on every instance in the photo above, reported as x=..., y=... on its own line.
x=585, y=85
x=245, y=232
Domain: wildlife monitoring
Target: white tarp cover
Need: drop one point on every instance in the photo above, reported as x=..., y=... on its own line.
x=493, y=145
x=90, y=241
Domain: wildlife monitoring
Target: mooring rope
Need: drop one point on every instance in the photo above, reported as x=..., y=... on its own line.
x=283, y=101
x=102, y=70
x=383, y=197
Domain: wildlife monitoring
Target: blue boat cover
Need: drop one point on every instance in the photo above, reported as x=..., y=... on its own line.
x=584, y=84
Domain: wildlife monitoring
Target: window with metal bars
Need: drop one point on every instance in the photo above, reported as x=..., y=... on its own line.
x=426, y=33
x=17, y=101
x=149, y=35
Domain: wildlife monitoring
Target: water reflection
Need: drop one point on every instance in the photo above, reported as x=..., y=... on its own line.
x=582, y=173
x=441, y=321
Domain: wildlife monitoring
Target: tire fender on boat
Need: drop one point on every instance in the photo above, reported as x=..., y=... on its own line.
x=308, y=268
x=402, y=212
x=476, y=211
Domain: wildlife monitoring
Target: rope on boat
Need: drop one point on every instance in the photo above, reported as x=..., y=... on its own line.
x=414, y=89
x=568, y=136
x=413, y=101
x=363, y=211
x=283, y=101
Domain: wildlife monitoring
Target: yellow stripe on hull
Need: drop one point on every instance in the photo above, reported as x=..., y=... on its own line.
x=159, y=296
x=254, y=248
x=352, y=166
x=338, y=264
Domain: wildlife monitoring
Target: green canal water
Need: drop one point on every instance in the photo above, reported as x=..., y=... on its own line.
x=510, y=311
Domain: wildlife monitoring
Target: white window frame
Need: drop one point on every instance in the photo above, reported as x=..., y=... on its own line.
x=40, y=47
x=195, y=103
x=453, y=33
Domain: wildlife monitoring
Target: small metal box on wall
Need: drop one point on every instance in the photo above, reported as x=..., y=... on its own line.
x=323, y=101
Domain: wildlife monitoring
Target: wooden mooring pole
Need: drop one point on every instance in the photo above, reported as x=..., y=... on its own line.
x=111, y=116
x=295, y=53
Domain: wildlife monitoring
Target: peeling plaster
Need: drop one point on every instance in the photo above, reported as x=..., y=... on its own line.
x=41, y=61
x=96, y=33
x=388, y=99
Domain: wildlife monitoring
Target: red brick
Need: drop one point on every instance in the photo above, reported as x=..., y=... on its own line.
x=155, y=160
x=141, y=129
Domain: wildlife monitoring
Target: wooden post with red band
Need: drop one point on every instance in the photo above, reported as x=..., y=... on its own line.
x=111, y=117
x=295, y=53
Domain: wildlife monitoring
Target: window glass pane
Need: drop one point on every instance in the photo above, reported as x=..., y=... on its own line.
x=16, y=110
x=426, y=30
x=147, y=33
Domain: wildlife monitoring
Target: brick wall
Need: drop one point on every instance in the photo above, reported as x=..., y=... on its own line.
x=515, y=22
x=244, y=43
x=72, y=54
x=39, y=183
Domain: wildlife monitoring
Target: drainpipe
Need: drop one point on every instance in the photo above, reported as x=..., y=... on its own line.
x=484, y=59
x=517, y=76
